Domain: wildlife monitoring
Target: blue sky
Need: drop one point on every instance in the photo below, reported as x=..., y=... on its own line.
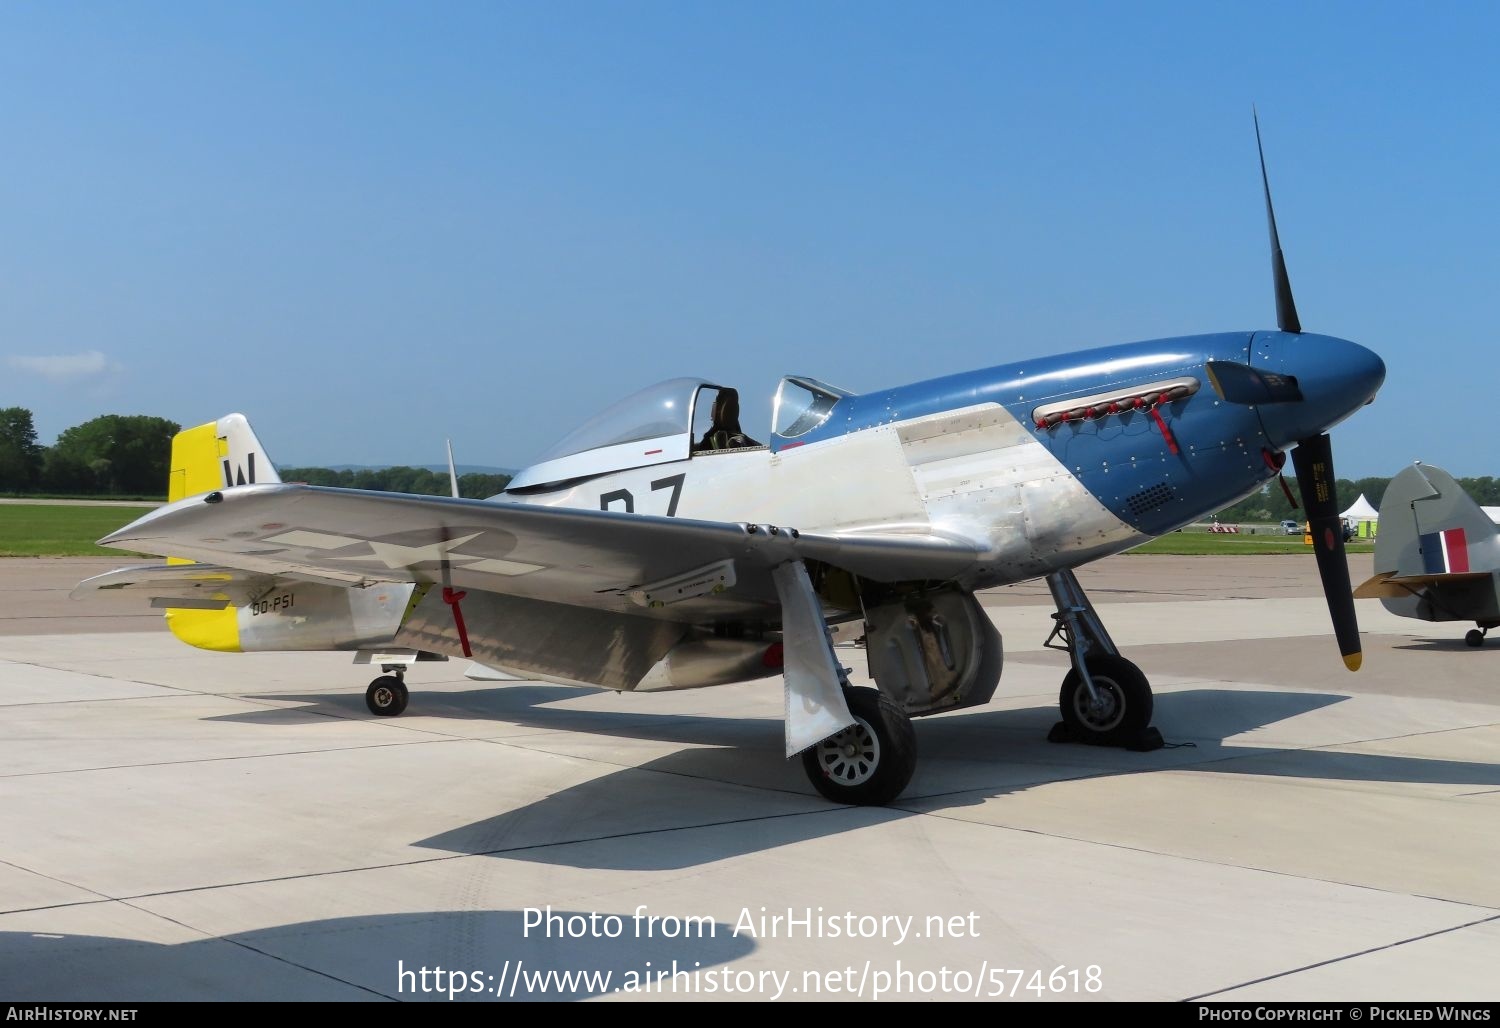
x=371, y=226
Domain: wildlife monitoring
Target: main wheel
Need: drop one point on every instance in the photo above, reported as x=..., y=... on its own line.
x=870, y=762
x=1123, y=709
x=1474, y=637
x=386, y=696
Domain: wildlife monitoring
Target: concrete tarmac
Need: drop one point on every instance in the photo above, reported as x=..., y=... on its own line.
x=181, y=825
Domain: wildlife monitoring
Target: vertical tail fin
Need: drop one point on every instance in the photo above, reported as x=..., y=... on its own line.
x=217, y=455
x=1430, y=526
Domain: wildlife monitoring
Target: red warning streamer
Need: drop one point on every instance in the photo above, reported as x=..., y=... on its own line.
x=452, y=597
x=1277, y=461
x=1166, y=433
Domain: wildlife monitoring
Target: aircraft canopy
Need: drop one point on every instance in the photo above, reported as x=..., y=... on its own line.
x=652, y=426
x=656, y=426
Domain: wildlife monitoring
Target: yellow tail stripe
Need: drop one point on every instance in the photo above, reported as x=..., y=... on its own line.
x=197, y=467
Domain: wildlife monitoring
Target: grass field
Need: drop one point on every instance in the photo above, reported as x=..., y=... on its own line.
x=60, y=530
x=1192, y=543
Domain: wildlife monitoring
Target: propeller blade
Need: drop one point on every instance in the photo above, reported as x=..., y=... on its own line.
x=1286, y=307
x=1240, y=383
x=1313, y=459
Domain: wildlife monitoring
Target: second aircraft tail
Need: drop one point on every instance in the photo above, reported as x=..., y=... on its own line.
x=1436, y=545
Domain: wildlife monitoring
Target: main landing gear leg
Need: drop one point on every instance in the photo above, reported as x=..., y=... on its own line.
x=1105, y=699
x=387, y=695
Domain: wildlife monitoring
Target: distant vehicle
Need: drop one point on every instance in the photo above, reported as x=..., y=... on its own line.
x=1437, y=557
x=1290, y=527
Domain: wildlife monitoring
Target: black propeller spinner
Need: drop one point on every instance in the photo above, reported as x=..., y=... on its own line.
x=1313, y=459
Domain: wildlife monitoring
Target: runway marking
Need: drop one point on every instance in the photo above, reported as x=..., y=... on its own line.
x=1245, y=752
x=1347, y=956
x=900, y=804
x=235, y=756
x=253, y=949
x=104, y=897
x=1211, y=861
x=419, y=861
x=516, y=742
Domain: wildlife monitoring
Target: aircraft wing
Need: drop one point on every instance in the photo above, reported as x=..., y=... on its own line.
x=670, y=568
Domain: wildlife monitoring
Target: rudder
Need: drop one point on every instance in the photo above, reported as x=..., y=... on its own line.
x=1430, y=526
x=217, y=455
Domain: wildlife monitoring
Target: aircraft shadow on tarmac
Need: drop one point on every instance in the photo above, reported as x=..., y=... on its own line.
x=356, y=958
x=1454, y=645
x=966, y=758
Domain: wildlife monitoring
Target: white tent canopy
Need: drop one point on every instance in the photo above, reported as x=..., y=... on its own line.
x=1361, y=510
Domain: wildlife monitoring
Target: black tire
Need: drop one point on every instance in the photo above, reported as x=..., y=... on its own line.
x=869, y=763
x=1125, y=696
x=386, y=696
x=1474, y=637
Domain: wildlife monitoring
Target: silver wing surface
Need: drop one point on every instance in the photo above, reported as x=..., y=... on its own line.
x=673, y=569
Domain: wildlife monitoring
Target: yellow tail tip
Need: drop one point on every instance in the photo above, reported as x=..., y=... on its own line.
x=1353, y=660
x=206, y=629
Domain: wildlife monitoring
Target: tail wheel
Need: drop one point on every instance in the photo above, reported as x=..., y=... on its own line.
x=1123, y=707
x=870, y=762
x=1475, y=637
x=386, y=696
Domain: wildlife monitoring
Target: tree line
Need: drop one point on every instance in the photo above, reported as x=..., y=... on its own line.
x=422, y=481
x=112, y=455
x=131, y=455
x=1270, y=503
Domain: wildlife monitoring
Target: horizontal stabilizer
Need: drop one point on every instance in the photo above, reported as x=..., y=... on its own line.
x=1389, y=585
x=197, y=586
